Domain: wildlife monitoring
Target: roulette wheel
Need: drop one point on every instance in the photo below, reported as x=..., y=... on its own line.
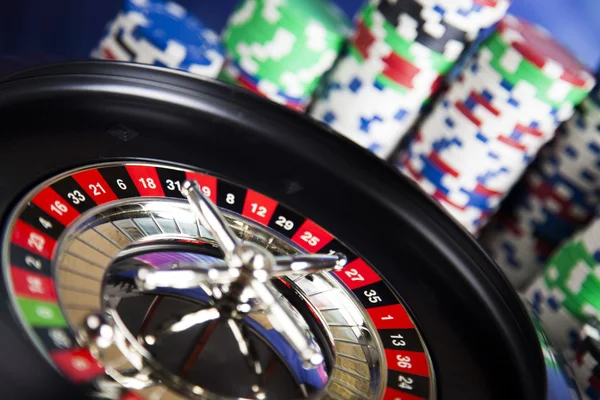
x=168, y=237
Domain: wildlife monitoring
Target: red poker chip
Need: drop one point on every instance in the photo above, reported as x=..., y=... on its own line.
x=487, y=3
x=538, y=47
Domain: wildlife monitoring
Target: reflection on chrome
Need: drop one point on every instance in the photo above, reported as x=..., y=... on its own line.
x=183, y=319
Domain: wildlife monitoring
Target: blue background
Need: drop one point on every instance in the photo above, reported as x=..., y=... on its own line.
x=69, y=29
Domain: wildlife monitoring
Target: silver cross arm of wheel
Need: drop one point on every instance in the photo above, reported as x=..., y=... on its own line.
x=257, y=266
x=189, y=276
x=210, y=217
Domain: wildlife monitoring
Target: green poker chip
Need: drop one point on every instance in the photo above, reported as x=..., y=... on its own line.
x=525, y=71
x=571, y=271
x=291, y=43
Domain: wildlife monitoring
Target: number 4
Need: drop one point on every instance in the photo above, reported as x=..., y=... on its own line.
x=45, y=223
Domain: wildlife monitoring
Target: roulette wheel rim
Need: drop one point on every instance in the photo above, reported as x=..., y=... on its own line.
x=62, y=117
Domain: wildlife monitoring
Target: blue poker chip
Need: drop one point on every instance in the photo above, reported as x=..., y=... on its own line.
x=169, y=21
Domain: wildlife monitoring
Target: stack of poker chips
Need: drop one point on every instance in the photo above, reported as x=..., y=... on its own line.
x=567, y=294
x=282, y=48
x=586, y=363
x=557, y=196
x=396, y=60
x=561, y=382
x=163, y=34
x=486, y=129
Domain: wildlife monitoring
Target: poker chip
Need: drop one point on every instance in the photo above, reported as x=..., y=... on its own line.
x=515, y=69
x=414, y=52
x=560, y=326
x=415, y=22
x=395, y=63
x=164, y=34
x=586, y=363
x=536, y=45
x=562, y=186
x=233, y=74
x=282, y=48
x=468, y=14
x=567, y=294
x=560, y=378
x=571, y=270
x=381, y=109
x=488, y=127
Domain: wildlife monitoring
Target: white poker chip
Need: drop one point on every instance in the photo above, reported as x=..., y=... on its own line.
x=370, y=114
